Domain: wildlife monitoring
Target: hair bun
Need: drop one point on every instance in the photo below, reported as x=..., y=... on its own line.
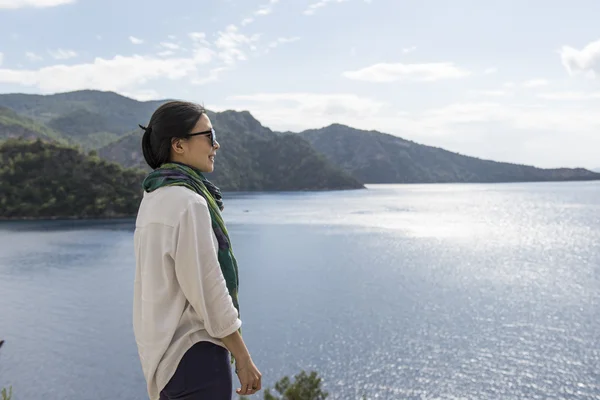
x=147, y=150
x=145, y=129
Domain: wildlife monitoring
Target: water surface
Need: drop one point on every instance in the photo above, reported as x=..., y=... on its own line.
x=395, y=292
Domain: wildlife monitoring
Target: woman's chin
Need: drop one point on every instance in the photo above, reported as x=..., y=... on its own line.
x=205, y=167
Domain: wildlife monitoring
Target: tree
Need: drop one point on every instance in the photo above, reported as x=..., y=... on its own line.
x=6, y=395
x=305, y=387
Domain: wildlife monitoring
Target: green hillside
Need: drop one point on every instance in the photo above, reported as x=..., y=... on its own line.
x=86, y=128
x=251, y=158
x=119, y=111
x=374, y=157
x=13, y=125
x=47, y=180
x=88, y=118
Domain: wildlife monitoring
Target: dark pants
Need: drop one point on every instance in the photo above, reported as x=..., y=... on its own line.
x=203, y=373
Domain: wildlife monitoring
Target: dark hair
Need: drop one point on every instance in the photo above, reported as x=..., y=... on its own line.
x=174, y=119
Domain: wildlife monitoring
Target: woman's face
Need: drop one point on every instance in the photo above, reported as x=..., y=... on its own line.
x=197, y=151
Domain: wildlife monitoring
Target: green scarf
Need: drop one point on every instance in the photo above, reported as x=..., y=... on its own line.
x=177, y=174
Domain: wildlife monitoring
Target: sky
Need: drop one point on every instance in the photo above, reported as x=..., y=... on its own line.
x=515, y=81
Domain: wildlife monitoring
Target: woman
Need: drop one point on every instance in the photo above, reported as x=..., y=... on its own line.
x=185, y=311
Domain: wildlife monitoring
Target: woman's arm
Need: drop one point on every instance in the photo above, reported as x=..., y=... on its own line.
x=237, y=347
x=199, y=274
x=201, y=280
x=249, y=376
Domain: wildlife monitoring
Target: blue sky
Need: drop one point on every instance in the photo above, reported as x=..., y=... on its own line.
x=515, y=81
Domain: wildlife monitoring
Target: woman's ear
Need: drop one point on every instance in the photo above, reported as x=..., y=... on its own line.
x=177, y=145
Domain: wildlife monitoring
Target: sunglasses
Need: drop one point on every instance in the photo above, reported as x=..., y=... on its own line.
x=211, y=132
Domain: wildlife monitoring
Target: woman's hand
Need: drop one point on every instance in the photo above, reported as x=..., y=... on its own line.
x=249, y=376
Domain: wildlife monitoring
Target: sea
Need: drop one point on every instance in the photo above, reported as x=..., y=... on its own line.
x=445, y=291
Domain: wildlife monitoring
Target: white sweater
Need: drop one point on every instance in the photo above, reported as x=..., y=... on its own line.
x=180, y=294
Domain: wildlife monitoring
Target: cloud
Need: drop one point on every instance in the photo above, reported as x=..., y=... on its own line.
x=509, y=88
x=302, y=110
x=1, y=58
x=166, y=53
x=312, y=8
x=170, y=46
x=569, y=96
x=61, y=54
x=230, y=44
x=527, y=133
x=535, y=83
x=491, y=70
x=263, y=10
x=203, y=63
x=142, y=95
x=386, y=72
x=135, y=40
x=514, y=132
x=31, y=56
x=307, y=110
x=515, y=118
x=282, y=40
x=212, y=76
x=409, y=49
x=14, y=4
x=198, y=37
x=585, y=61
x=120, y=73
x=493, y=93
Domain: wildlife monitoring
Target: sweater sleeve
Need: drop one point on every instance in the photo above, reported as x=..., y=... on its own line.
x=199, y=273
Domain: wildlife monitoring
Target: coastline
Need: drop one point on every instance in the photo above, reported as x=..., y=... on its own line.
x=73, y=218
x=116, y=217
x=233, y=194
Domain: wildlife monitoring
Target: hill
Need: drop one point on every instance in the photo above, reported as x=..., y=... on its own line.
x=334, y=157
x=251, y=158
x=89, y=118
x=48, y=180
x=375, y=157
x=88, y=129
x=105, y=121
x=13, y=125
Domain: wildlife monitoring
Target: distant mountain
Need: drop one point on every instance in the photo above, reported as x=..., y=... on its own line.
x=252, y=158
x=46, y=180
x=13, y=125
x=120, y=112
x=87, y=128
x=239, y=122
x=108, y=123
x=375, y=157
x=88, y=117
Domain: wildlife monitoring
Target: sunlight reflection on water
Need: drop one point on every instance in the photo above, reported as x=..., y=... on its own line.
x=397, y=292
